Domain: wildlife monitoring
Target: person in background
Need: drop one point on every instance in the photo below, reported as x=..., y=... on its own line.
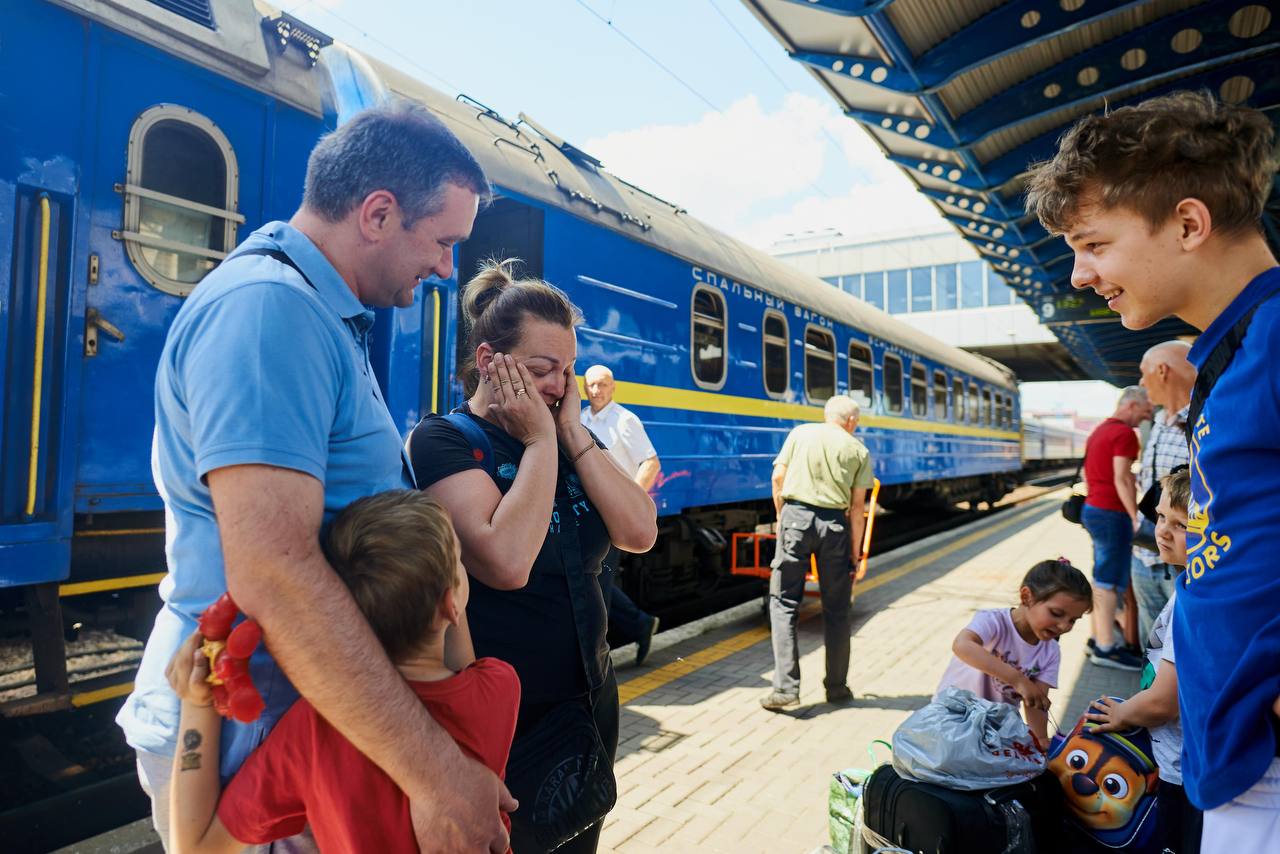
x=1110, y=515
x=1162, y=204
x=628, y=443
x=820, y=479
x=1156, y=705
x=1168, y=378
x=1011, y=655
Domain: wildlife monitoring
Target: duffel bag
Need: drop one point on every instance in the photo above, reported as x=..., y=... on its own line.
x=1018, y=819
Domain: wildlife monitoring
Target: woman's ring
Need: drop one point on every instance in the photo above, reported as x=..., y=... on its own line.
x=520, y=392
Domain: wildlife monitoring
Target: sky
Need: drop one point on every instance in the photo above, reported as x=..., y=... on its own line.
x=693, y=100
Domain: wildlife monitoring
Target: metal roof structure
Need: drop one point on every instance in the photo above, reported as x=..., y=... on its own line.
x=965, y=94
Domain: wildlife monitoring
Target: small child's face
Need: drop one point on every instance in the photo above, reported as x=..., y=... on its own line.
x=1055, y=616
x=1171, y=532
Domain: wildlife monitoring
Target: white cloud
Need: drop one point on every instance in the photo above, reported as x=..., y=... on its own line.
x=757, y=175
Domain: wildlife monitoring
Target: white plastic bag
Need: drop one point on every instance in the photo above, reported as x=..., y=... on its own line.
x=962, y=741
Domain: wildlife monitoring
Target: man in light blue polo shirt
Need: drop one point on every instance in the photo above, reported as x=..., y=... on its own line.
x=268, y=421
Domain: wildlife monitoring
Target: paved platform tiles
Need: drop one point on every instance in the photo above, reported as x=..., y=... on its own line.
x=701, y=767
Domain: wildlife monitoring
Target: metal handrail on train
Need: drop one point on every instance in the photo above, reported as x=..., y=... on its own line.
x=755, y=538
x=37, y=389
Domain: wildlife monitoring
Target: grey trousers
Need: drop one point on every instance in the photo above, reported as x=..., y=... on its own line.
x=824, y=533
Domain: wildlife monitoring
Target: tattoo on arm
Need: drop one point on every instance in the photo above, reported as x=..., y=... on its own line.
x=191, y=741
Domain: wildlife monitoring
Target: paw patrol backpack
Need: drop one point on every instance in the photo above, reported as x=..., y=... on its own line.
x=1109, y=782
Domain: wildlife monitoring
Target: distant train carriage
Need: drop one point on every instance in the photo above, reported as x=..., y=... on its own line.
x=1049, y=446
x=166, y=132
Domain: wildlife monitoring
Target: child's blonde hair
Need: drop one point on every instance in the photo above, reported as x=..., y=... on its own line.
x=1177, y=485
x=397, y=553
x=1049, y=577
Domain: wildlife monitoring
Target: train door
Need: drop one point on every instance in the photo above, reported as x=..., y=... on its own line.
x=506, y=229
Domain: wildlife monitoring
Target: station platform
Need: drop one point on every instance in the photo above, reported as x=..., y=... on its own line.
x=702, y=767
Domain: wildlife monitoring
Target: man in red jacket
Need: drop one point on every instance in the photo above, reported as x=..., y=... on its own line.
x=1110, y=516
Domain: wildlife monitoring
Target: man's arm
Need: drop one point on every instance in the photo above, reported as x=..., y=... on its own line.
x=269, y=522
x=647, y=474
x=857, y=521
x=779, y=475
x=1126, y=486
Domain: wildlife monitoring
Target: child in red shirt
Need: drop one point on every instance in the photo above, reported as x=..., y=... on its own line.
x=398, y=554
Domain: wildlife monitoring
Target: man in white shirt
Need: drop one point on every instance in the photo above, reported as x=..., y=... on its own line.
x=619, y=428
x=624, y=436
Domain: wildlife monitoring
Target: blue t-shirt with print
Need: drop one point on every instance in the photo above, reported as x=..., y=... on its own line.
x=259, y=367
x=1227, y=625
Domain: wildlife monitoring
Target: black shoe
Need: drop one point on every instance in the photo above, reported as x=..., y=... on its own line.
x=839, y=696
x=646, y=638
x=777, y=701
x=1117, y=658
x=1091, y=645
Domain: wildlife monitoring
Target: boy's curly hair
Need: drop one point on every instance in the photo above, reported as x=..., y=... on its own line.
x=396, y=551
x=1150, y=156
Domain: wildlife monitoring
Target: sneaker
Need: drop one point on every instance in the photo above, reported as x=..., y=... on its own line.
x=777, y=701
x=646, y=638
x=839, y=696
x=1091, y=645
x=1116, y=657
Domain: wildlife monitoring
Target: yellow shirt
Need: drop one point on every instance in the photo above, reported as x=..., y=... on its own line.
x=824, y=464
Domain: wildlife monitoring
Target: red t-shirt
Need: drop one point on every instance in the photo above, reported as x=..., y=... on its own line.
x=1110, y=439
x=306, y=772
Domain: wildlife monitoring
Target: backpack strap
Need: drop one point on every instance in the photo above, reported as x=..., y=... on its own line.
x=481, y=447
x=278, y=255
x=1214, y=367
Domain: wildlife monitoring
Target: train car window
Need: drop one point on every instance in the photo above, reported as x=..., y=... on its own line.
x=892, y=383
x=957, y=398
x=940, y=411
x=861, y=376
x=777, y=355
x=180, y=195
x=708, y=346
x=819, y=364
x=988, y=415
x=919, y=392
x=975, y=411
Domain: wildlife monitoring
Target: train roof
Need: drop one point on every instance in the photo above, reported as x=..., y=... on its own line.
x=518, y=156
x=527, y=159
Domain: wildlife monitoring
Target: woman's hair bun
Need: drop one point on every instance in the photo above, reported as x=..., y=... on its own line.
x=493, y=278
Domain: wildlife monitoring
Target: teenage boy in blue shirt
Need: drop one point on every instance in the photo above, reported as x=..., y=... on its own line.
x=1162, y=205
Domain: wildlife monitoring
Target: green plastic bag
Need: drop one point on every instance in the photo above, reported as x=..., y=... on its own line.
x=842, y=800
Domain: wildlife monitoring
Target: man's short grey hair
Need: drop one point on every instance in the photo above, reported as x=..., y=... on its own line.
x=841, y=408
x=398, y=146
x=1132, y=393
x=598, y=370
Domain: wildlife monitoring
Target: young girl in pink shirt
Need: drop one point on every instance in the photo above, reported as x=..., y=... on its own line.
x=1011, y=655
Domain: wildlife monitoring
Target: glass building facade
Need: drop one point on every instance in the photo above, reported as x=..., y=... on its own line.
x=941, y=287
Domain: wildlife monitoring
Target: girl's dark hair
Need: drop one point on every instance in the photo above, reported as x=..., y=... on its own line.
x=495, y=304
x=1058, y=576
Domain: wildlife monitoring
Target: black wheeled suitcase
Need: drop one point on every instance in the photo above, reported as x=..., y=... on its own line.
x=1021, y=819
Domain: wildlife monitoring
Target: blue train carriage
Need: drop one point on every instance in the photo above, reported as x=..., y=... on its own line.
x=144, y=140
x=719, y=348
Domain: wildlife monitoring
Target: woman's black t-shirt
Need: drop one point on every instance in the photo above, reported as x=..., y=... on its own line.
x=532, y=628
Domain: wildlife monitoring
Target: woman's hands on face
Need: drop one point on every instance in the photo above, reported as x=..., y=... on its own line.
x=572, y=435
x=516, y=404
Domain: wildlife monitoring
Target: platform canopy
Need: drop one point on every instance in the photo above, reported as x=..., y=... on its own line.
x=964, y=94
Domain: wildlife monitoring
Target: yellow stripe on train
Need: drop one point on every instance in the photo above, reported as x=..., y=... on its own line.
x=663, y=397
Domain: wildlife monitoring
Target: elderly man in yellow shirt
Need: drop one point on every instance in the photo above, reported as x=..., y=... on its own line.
x=820, y=478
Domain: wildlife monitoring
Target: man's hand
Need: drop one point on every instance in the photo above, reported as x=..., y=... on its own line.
x=460, y=813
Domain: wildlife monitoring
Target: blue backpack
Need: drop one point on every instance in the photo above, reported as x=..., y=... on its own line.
x=481, y=447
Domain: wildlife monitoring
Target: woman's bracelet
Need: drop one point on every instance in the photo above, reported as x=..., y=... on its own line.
x=591, y=444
